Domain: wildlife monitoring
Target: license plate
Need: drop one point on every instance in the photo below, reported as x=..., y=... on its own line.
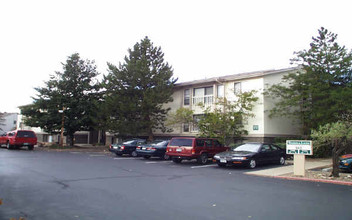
x=115, y=147
x=223, y=161
x=25, y=143
x=143, y=148
x=178, y=150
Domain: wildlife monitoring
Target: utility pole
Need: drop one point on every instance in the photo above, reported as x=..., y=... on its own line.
x=62, y=127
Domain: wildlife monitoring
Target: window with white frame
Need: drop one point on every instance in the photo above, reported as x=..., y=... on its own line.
x=220, y=91
x=196, y=119
x=237, y=88
x=186, y=97
x=203, y=95
x=185, y=127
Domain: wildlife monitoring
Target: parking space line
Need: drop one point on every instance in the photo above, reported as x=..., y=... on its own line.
x=151, y=162
x=127, y=158
x=97, y=155
x=211, y=165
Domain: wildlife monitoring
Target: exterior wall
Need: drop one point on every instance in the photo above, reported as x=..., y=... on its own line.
x=257, y=121
x=277, y=126
x=9, y=123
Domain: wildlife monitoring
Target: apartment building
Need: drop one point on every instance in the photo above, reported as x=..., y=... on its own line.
x=206, y=91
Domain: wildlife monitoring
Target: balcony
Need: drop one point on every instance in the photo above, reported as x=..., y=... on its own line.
x=203, y=100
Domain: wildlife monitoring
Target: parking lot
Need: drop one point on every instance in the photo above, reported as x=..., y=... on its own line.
x=87, y=185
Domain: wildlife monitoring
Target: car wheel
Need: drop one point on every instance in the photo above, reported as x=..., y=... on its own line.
x=134, y=154
x=166, y=157
x=203, y=159
x=8, y=146
x=222, y=164
x=350, y=168
x=177, y=160
x=30, y=147
x=252, y=163
x=146, y=157
x=282, y=161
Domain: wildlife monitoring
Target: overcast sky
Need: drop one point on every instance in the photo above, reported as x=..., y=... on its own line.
x=200, y=39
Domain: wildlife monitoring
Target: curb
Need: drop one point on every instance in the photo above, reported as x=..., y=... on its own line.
x=337, y=182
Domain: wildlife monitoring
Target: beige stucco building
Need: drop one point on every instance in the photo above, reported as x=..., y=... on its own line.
x=260, y=127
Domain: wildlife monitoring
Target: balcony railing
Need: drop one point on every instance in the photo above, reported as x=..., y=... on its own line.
x=205, y=100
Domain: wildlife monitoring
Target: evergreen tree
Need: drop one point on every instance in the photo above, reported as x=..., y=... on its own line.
x=69, y=97
x=137, y=89
x=317, y=93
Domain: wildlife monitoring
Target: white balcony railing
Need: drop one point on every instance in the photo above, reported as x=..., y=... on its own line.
x=205, y=100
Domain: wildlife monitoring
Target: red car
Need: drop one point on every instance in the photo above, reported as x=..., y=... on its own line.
x=188, y=148
x=19, y=138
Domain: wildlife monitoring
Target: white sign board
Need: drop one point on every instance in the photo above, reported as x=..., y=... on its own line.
x=299, y=147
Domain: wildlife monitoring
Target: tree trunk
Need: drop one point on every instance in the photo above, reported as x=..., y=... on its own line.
x=335, y=161
x=150, y=135
x=72, y=140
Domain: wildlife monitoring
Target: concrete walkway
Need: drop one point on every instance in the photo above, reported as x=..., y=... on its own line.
x=288, y=168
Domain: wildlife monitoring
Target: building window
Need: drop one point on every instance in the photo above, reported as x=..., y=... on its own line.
x=203, y=95
x=220, y=91
x=186, y=97
x=237, y=88
x=196, y=119
x=186, y=127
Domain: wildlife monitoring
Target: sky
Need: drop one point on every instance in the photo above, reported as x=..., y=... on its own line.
x=200, y=38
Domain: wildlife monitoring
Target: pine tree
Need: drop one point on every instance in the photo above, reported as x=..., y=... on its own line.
x=69, y=97
x=137, y=89
x=317, y=93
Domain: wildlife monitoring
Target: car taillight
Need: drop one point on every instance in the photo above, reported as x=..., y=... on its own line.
x=150, y=148
x=110, y=146
x=193, y=151
x=122, y=147
x=139, y=147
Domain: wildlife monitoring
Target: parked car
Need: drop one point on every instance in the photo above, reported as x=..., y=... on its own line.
x=251, y=155
x=188, y=148
x=346, y=162
x=19, y=138
x=156, y=148
x=127, y=147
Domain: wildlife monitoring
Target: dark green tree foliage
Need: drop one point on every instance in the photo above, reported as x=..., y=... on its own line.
x=225, y=121
x=137, y=89
x=73, y=91
x=318, y=93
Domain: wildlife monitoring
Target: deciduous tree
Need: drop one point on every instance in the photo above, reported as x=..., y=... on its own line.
x=339, y=136
x=225, y=121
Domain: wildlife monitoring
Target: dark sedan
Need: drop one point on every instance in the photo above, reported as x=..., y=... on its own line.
x=156, y=148
x=251, y=154
x=346, y=162
x=127, y=147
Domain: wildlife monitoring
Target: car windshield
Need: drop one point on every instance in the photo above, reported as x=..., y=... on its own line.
x=181, y=142
x=25, y=134
x=248, y=147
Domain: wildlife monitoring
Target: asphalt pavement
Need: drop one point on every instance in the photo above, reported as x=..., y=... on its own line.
x=91, y=185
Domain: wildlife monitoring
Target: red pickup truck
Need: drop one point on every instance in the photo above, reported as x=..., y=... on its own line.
x=19, y=138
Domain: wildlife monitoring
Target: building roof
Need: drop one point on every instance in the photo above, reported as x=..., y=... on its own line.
x=235, y=77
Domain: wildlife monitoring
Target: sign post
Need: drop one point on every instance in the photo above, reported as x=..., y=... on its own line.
x=299, y=148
